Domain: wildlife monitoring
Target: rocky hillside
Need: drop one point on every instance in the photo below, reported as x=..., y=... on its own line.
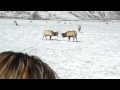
x=62, y=15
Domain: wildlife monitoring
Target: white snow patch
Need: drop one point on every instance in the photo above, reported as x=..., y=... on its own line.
x=95, y=55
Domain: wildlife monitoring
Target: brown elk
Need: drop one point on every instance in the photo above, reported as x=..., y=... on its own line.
x=49, y=33
x=70, y=34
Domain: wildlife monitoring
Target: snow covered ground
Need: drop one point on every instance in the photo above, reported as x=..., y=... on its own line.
x=96, y=54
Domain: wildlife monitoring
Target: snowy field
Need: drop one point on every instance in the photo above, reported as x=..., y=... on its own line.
x=96, y=54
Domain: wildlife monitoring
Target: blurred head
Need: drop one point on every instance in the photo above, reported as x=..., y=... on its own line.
x=63, y=35
x=55, y=33
x=22, y=66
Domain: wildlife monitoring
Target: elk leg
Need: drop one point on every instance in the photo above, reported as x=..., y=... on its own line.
x=76, y=38
x=69, y=38
x=46, y=37
x=73, y=38
x=43, y=37
x=50, y=37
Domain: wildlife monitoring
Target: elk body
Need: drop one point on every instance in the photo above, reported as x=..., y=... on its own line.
x=49, y=33
x=70, y=34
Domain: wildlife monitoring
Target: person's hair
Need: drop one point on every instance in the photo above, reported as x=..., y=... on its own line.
x=15, y=65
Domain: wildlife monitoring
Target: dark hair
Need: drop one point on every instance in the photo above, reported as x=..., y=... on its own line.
x=14, y=65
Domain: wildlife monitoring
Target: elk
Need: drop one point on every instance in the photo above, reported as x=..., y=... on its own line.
x=49, y=33
x=70, y=34
x=16, y=23
x=79, y=28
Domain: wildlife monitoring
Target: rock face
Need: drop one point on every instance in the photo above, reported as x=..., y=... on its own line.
x=62, y=15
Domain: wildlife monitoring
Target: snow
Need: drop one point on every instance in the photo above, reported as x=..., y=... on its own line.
x=96, y=54
x=64, y=15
